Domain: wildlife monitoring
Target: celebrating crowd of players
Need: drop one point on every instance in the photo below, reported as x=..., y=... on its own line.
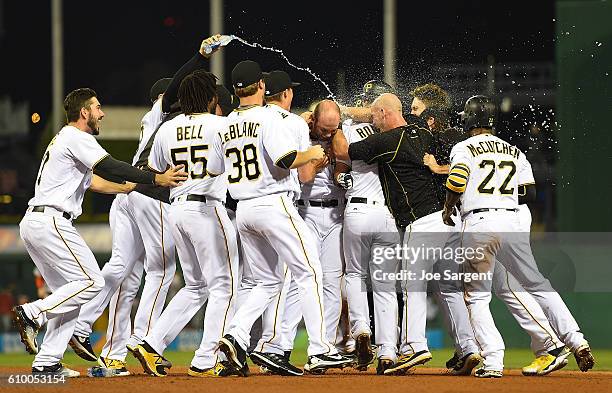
x=285, y=217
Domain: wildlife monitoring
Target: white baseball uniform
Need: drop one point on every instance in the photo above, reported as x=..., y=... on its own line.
x=368, y=227
x=65, y=262
x=487, y=170
x=141, y=233
x=278, y=315
x=325, y=223
x=249, y=149
x=203, y=233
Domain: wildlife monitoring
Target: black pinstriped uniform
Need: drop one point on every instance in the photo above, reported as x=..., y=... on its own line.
x=408, y=185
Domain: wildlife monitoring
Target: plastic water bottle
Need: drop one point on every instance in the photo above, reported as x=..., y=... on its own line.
x=224, y=40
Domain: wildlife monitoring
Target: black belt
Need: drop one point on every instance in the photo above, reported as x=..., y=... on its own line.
x=487, y=210
x=193, y=198
x=362, y=200
x=324, y=203
x=41, y=209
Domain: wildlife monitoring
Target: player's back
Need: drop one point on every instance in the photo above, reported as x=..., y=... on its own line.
x=366, y=183
x=186, y=140
x=493, y=167
x=251, y=143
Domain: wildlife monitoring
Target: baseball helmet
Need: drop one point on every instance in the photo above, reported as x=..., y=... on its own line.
x=479, y=112
x=373, y=89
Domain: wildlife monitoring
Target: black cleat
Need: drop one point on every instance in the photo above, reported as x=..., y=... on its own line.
x=364, y=353
x=56, y=369
x=466, y=364
x=275, y=364
x=318, y=364
x=28, y=329
x=452, y=362
x=383, y=364
x=234, y=354
x=82, y=347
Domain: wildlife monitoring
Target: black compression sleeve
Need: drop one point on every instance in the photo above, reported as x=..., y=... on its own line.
x=125, y=171
x=287, y=160
x=170, y=96
x=153, y=191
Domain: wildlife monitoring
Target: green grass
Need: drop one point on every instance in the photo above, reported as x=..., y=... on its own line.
x=514, y=358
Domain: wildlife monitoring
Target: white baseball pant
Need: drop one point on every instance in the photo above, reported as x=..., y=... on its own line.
x=70, y=270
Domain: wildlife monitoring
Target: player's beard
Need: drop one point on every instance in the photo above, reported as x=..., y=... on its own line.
x=93, y=124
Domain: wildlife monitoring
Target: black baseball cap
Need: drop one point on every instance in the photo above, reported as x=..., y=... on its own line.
x=227, y=101
x=158, y=88
x=277, y=81
x=246, y=73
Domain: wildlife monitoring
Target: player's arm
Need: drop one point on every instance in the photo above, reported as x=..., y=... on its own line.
x=526, y=189
x=359, y=114
x=215, y=165
x=455, y=187
x=340, y=146
x=430, y=161
x=375, y=148
x=102, y=186
x=295, y=159
x=526, y=193
x=342, y=175
x=172, y=177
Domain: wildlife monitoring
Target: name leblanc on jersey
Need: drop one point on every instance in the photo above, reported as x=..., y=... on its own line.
x=248, y=130
x=493, y=147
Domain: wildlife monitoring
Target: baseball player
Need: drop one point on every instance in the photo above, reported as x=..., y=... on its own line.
x=410, y=195
x=141, y=233
x=321, y=206
x=278, y=317
x=258, y=155
x=202, y=231
x=368, y=225
x=486, y=174
x=64, y=260
x=432, y=103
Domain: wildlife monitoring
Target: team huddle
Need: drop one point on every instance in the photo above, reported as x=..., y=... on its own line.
x=283, y=218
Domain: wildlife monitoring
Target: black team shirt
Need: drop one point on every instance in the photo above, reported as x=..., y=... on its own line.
x=408, y=185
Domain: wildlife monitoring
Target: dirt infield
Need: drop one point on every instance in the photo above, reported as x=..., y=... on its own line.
x=425, y=380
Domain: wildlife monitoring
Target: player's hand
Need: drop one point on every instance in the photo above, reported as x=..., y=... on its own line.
x=129, y=187
x=307, y=116
x=321, y=164
x=174, y=176
x=446, y=216
x=316, y=153
x=207, y=42
x=429, y=160
x=345, y=180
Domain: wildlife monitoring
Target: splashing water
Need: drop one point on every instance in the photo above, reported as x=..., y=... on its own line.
x=282, y=54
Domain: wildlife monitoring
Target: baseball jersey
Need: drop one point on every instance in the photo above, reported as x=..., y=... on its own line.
x=298, y=128
x=187, y=140
x=487, y=171
x=323, y=186
x=149, y=123
x=66, y=170
x=253, y=141
x=366, y=183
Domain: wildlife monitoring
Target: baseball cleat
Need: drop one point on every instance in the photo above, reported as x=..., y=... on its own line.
x=365, y=355
x=56, y=369
x=28, y=329
x=452, y=362
x=383, y=364
x=116, y=368
x=484, y=373
x=219, y=370
x=584, y=358
x=82, y=347
x=152, y=362
x=234, y=354
x=318, y=364
x=546, y=364
x=406, y=362
x=466, y=364
x=275, y=364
